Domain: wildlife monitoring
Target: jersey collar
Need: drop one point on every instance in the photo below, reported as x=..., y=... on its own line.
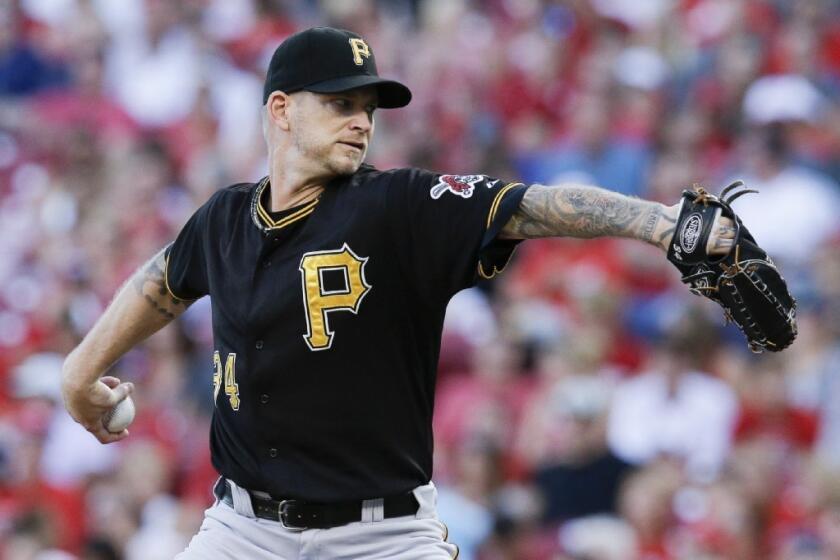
x=263, y=220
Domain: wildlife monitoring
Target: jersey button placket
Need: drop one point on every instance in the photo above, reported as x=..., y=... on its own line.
x=272, y=452
x=259, y=345
x=263, y=398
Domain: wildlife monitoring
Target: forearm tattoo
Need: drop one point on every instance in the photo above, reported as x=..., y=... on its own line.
x=667, y=232
x=150, y=283
x=579, y=211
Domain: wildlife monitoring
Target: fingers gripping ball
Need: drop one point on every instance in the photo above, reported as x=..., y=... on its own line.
x=120, y=416
x=744, y=281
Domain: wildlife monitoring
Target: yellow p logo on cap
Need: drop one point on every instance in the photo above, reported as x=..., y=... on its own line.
x=360, y=49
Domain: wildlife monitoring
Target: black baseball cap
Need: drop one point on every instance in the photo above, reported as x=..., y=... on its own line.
x=329, y=60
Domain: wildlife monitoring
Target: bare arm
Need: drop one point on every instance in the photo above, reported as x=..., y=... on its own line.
x=572, y=210
x=141, y=307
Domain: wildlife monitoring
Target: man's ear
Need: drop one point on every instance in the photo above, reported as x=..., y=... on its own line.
x=278, y=105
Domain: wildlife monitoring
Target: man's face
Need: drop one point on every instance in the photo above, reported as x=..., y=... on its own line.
x=332, y=131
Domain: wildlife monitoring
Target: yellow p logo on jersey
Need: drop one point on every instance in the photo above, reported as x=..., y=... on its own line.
x=319, y=301
x=360, y=49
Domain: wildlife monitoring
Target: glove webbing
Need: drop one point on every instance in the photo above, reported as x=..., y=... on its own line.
x=758, y=339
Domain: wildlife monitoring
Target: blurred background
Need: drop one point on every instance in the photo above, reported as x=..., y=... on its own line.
x=589, y=407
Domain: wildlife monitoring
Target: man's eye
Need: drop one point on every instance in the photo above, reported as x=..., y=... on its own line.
x=341, y=103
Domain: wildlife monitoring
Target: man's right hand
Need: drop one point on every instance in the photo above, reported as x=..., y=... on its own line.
x=87, y=404
x=141, y=307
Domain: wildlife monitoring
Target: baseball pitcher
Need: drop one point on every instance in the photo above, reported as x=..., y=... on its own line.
x=329, y=280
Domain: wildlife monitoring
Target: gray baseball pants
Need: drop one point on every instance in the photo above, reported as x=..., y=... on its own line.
x=236, y=534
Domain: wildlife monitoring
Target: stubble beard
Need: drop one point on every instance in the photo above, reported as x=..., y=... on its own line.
x=343, y=165
x=326, y=157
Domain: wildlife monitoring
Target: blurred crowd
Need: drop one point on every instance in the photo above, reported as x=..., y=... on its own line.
x=588, y=407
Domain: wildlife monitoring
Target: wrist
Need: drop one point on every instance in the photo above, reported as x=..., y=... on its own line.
x=73, y=378
x=665, y=226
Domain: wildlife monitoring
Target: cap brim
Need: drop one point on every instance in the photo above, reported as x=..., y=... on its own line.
x=392, y=94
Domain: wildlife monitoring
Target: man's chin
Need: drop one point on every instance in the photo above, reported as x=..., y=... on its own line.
x=346, y=166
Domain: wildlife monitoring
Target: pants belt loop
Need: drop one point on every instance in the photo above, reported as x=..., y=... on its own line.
x=241, y=500
x=373, y=510
x=219, y=488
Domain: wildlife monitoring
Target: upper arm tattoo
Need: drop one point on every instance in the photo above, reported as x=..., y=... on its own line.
x=582, y=211
x=150, y=283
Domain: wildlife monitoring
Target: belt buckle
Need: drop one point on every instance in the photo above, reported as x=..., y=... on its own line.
x=283, y=511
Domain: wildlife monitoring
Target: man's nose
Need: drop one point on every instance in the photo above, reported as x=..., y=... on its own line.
x=361, y=121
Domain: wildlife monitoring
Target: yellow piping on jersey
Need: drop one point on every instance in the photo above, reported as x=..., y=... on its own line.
x=490, y=217
x=287, y=220
x=496, y=201
x=166, y=279
x=495, y=270
x=291, y=218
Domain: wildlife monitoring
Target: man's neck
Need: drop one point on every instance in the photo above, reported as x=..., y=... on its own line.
x=285, y=198
x=290, y=189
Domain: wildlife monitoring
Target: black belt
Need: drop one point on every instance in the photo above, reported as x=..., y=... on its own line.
x=299, y=515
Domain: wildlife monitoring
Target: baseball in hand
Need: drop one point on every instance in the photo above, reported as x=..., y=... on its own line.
x=118, y=418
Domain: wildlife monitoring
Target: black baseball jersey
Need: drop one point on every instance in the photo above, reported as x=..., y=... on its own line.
x=327, y=320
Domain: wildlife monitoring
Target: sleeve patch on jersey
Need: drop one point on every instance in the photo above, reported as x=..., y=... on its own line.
x=462, y=185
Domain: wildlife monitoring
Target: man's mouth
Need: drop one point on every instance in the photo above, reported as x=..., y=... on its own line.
x=358, y=145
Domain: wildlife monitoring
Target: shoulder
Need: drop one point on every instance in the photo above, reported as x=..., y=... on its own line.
x=396, y=178
x=234, y=192
x=232, y=196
